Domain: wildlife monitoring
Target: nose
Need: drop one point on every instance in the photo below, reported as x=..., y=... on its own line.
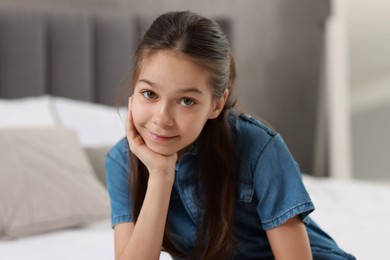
x=162, y=116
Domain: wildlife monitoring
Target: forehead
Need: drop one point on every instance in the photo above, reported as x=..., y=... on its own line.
x=173, y=68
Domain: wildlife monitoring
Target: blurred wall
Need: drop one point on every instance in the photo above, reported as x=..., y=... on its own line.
x=369, y=64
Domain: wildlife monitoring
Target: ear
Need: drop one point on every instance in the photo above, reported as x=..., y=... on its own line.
x=218, y=105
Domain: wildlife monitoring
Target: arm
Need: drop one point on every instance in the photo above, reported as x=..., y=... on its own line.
x=290, y=240
x=143, y=239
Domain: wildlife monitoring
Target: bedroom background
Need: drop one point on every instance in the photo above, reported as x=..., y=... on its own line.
x=317, y=71
x=361, y=37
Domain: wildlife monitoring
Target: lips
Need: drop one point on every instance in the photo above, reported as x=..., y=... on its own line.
x=160, y=138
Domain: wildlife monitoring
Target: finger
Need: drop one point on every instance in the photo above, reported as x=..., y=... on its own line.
x=128, y=115
x=131, y=132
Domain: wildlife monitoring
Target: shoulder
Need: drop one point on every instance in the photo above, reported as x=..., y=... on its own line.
x=119, y=154
x=250, y=135
x=245, y=122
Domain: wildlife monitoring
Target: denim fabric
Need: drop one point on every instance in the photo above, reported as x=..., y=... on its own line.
x=270, y=191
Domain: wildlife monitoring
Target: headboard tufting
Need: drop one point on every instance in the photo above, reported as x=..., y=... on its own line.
x=79, y=54
x=82, y=55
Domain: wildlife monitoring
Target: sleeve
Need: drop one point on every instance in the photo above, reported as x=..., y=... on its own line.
x=117, y=177
x=278, y=186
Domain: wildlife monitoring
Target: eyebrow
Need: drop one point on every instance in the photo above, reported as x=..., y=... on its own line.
x=182, y=90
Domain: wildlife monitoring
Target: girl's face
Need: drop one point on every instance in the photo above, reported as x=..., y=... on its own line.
x=172, y=102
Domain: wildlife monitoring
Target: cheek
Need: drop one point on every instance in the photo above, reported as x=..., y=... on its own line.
x=193, y=125
x=139, y=114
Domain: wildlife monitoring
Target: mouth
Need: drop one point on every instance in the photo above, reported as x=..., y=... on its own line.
x=160, y=138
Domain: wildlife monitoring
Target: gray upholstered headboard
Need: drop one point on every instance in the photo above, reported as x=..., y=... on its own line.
x=86, y=54
x=81, y=54
x=77, y=54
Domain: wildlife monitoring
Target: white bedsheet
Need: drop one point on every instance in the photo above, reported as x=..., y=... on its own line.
x=355, y=213
x=93, y=242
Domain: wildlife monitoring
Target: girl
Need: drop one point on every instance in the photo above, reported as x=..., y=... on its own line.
x=193, y=176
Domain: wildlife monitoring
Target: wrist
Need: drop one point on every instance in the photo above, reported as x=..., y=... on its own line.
x=161, y=177
x=161, y=185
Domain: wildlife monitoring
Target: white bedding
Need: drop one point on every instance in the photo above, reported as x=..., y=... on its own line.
x=92, y=242
x=355, y=213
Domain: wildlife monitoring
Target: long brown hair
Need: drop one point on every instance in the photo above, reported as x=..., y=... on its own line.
x=202, y=40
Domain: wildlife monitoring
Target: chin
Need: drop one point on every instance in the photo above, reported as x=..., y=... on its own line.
x=165, y=152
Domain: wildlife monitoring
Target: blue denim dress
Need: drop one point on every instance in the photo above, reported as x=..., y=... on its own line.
x=270, y=191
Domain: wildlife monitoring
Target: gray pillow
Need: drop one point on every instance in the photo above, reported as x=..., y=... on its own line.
x=97, y=156
x=46, y=183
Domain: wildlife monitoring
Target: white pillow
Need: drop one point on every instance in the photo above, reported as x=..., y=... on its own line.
x=96, y=125
x=46, y=182
x=23, y=112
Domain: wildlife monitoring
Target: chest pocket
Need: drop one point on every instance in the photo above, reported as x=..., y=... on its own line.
x=245, y=189
x=245, y=192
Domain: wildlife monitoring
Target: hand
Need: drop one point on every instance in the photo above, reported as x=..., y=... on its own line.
x=156, y=163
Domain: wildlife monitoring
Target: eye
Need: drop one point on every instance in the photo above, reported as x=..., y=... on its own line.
x=148, y=94
x=187, y=102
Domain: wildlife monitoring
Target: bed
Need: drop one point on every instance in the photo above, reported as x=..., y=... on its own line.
x=362, y=231
x=57, y=122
